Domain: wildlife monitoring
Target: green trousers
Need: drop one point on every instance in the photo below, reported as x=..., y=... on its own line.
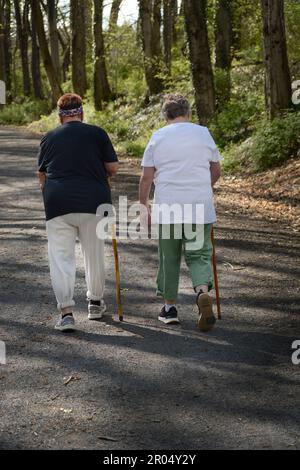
x=197, y=257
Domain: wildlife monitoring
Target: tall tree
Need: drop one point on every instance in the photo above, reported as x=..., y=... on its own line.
x=88, y=17
x=22, y=35
x=224, y=45
x=195, y=12
x=102, y=92
x=47, y=59
x=170, y=13
x=114, y=14
x=35, y=63
x=79, y=77
x=53, y=35
x=7, y=46
x=223, y=34
x=278, y=79
x=150, y=17
x=64, y=38
x=2, y=54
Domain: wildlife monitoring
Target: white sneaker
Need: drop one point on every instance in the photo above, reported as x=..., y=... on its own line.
x=66, y=324
x=96, y=310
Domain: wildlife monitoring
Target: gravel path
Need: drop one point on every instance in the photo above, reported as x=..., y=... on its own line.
x=140, y=385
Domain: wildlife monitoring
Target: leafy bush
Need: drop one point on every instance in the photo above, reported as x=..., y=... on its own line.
x=135, y=149
x=237, y=119
x=237, y=158
x=45, y=123
x=23, y=113
x=272, y=143
x=276, y=141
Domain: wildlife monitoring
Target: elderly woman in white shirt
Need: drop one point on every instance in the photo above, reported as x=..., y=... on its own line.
x=183, y=161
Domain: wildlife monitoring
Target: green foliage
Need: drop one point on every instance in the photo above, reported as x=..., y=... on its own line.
x=247, y=29
x=276, y=141
x=237, y=157
x=134, y=149
x=292, y=16
x=23, y=113
x=125, y=62
x=272, y=143
x=246, y=138
x=222, y=86
x=45, y=123
x=236, y=120
x=238, y=116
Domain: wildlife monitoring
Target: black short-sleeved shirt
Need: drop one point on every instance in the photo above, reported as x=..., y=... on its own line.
x=73, y=156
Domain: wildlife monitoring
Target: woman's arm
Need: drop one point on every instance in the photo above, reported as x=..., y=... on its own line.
x=111, y=168
x=215, y=171
x=145, y=185
x=144, y=193
x=42, y=179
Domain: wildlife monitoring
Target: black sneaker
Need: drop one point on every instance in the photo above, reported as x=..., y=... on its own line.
x=169, y=317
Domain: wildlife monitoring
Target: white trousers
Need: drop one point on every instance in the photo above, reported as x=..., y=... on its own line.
x=62, y=233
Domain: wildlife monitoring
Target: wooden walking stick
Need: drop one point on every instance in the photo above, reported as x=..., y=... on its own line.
x=214, y=262
x=118, y=278
x=117, y=269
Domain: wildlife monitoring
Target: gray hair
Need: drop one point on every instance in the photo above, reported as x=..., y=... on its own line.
x=175, y=105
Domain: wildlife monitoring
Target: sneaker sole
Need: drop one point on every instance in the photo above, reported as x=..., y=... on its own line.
x=66, y=329
x=207, y=320
x=170, y=321
x=95, y=316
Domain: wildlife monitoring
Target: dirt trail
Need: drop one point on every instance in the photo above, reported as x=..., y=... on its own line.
x=141, y=385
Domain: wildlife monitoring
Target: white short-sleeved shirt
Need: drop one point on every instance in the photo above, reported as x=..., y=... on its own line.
x=181, y=154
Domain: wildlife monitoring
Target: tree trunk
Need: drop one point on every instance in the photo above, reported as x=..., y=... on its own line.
x=278, y=79
x=102, y=93
x=224, y=44
x=156, y=29
x=66, y=62
x=48, y=64
x=114, y=14
x=35, y=63
x=7, y=47
x=223, y=34
x=53, y=35
x=150, y=16
x=181, y=10
x=196, y=26
x=65, y=42
x=79, y=77
x=170, y=12
x=22, y=35
x=2, y=47
x=88, y=15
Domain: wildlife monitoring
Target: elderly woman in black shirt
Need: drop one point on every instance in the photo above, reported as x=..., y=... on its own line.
x=75, y=163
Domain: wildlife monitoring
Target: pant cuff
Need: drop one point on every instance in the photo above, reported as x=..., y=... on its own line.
x=203, y=282
x=70, y=303
x=96, y=298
